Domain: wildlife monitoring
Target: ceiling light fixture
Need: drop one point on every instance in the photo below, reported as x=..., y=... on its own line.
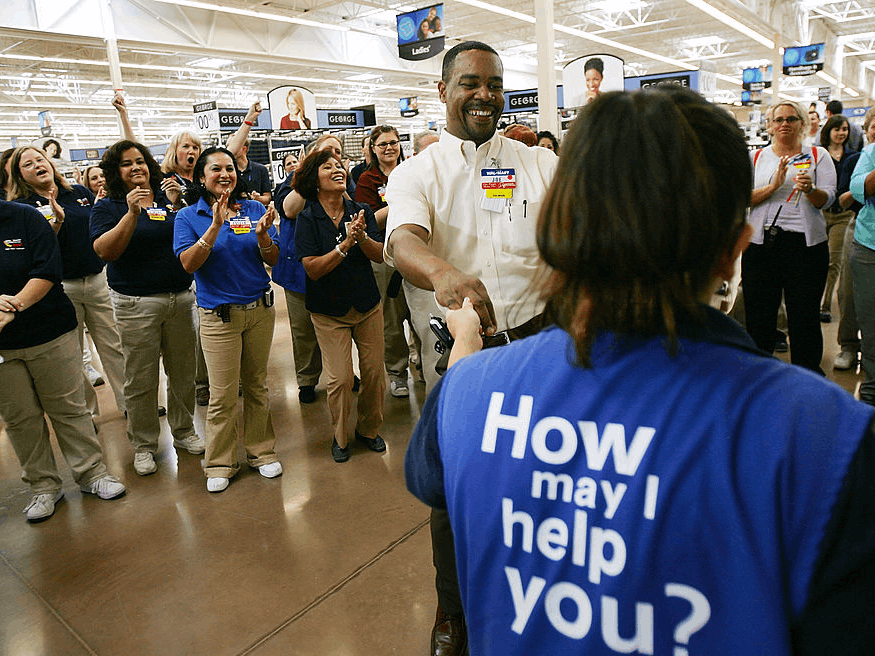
x=254, y=14
x=728, y=20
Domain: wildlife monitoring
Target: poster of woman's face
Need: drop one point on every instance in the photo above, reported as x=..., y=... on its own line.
x=584, y=78
x=292, y=108
x=55, y=148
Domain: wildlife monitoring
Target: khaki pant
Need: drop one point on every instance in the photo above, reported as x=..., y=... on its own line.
x=160, y=325
x=90, y=297
x=305, y=346
x=237, y=351
x=836, y=224
x=395, y=312
x=336, y=335
x=46, y=380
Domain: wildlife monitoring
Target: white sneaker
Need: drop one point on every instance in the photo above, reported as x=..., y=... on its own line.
x=193, y=444
x=94, y=376
x=144, y=463
x=106, y=487
x=216, y=484
x=398, y=389
x=42, y=506
x=271, y=469
x=844, y=360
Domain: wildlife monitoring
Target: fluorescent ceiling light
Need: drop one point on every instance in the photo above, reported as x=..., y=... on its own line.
x=253, y=14
x=210, y=62
x=362, y=77
x=703, y=41
x=726, y=19
x=827, y=77
x=851, y=92
x=617, y=6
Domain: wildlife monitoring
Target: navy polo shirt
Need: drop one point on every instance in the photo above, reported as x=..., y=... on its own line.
x=30, y=250
x=148, y=265
x=74, y=237
x=234, y=271
x=349, y=285
x=257, y=177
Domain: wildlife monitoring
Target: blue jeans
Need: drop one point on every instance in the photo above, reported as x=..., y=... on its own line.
x=863, y=276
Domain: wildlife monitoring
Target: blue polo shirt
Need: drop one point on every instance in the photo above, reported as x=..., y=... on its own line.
x=148, y=265
x=288, y=271
x=234, y=271
x=29, y=249
x=74, y=237
x=349, y=285
x=864, y=232
x=594, y=510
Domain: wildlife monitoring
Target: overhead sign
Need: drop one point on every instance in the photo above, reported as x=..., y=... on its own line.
x=292, y=108
x=421, y=33
x=686, y=79
x=824, y=93
x=520, y=101
x=751, y=98
x=45, y=123
x=756, y=79
x=586, y=77
x=409, y=106
x=206, y=117
x=803, y=60
x=340, y=118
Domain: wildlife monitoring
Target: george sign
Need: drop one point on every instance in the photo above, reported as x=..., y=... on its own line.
x=206, y=116
x=278, y=172
x=520, y=101
x=351, y=118
x=421, y=33
x=409, y=106
x=687, y=79
x=803, y=60
x=231, y=119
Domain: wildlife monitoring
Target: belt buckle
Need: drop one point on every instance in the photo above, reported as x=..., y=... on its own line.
x=503, y=336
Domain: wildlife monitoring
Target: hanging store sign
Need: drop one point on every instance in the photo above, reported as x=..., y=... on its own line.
x=421, y=33
x=803, y=60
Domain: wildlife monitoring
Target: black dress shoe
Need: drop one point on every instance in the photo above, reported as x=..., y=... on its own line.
x=339, y=453
x=307, y=393
x=373, y=443
x=356, y=383
x=202, y=396
x=825, y=317
x=162, y=411
x=781, y=343
x=449, y=636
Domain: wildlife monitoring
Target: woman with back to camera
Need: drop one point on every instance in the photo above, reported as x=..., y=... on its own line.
x=789, y=252
x=225, y=241
x=336, y=239
x=132, y=230
x=593, y=74
x=385, y=154
x=744, y=481
x=834, y=137
x=37, y=183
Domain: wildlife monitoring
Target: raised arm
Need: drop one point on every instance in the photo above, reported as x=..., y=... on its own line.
x=237, y=140
x=118, y=101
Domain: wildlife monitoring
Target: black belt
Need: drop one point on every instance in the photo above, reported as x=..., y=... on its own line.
x=529, y=328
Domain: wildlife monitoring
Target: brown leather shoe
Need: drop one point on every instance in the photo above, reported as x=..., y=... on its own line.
x=449, y=636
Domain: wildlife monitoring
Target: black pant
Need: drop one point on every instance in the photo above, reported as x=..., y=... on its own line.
x=799, y=271
x=443, y=549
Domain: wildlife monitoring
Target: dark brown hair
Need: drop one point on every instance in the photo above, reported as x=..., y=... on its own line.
x=834, y=121
x=196, y=190
x=372, y=137
x=115, y=187
x=306, y=180
x=636, y=219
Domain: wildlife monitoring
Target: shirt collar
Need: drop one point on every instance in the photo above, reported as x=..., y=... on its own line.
x=468, y=150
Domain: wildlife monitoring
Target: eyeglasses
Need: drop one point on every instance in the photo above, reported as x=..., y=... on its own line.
x=386, y=144
x=790, y=120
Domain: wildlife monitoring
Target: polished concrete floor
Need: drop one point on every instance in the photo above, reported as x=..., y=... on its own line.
x=327, y=560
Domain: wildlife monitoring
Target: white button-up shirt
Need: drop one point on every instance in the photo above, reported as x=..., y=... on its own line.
x=440, y=190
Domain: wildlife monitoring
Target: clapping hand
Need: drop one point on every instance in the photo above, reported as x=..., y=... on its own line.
x=220, y=208
x=265, y=222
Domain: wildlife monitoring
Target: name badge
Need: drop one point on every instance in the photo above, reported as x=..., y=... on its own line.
x=382, y=192
x=156, y=213
x=47, y=211
x=498, y=183
x=240, y=225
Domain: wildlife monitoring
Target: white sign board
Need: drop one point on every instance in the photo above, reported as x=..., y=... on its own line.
x=206, y=117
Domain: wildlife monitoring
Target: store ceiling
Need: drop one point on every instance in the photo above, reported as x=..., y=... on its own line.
x=53, y=55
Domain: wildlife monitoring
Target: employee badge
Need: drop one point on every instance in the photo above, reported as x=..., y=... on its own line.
x=241, y=225
x=156, y=213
